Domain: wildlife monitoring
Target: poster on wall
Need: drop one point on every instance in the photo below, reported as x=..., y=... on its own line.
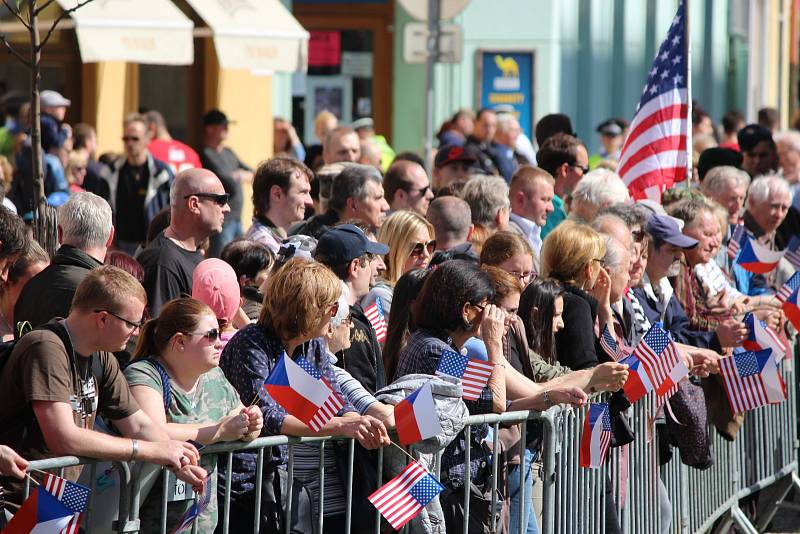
x=505, y=81
x=332, y=93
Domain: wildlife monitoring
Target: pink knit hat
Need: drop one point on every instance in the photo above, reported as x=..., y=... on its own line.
x=214, y=282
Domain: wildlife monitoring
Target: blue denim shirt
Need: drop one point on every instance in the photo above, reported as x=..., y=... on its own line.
x=247, y=361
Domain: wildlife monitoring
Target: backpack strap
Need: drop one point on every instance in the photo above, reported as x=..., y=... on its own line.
x=166, y=386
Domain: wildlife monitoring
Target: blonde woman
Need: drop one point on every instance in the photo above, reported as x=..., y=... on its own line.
x=573, y=255
x=411, y=243
x=76, y=171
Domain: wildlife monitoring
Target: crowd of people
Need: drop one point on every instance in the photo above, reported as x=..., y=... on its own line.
x=150, y=332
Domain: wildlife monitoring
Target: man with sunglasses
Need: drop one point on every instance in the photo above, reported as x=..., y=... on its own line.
x=348, y=253
x=566, y=159
x=138, y=186
x=198, y=205
x=407, y=187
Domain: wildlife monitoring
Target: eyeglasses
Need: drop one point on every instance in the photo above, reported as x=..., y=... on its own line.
x=335, y=309
x=638, y=235
x=130, y=138
x=348, y=321
x=219, y=198
x=212, y=335
x=480, y=307
x=419, y=248
x=522, y=276
x=131, y=324
x=581, y=167
x=602, y=262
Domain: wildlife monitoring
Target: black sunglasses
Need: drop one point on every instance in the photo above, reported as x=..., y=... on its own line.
x=581, y=167
x=219, y=198
x=212, y=335
x=132, y=324
x=422, y=190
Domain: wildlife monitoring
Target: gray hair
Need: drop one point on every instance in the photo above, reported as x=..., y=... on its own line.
x=601, y=187
x=764, y=187
x=790, y=138
x=615, y=252
x=450, y=217
x=344, y=307
x=718, y=179
x=630, y=214
x=504, y=121
x=486, y=195
x=85, y=221
x=352, y=183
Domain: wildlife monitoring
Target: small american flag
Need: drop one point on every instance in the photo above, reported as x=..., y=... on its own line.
x=377, y=318
x=196, y=509
x=661, y=360
x=653, y=156
x=751, y=379
x=792, y=252
x=73, y=496
x=735, y=242
x=596, y=436
x=403, y=497
x=330, y=407
x=789, y=287
x=474, y=374
x=610, y=345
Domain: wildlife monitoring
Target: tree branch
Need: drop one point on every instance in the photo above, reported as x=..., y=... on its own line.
x=44, y=6
x=61, y=17
x=15, y=11
x=13, y=52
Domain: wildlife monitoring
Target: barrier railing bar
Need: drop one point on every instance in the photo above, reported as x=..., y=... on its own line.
x=351, y=451
x=321, y=467
x=289, y=489
x=467, y=474
x=258, y=488
x=226, y=519
x=495, y=461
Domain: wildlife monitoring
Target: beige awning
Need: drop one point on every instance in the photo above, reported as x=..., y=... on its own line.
x=137, y=31
x=256, y=35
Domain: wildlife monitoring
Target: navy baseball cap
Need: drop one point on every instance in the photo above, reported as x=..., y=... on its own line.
x=344, y=243
x=664, y=228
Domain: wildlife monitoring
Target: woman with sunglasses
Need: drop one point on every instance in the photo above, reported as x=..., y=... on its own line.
x=176, y=364
x=300, y=299
x=411, y=243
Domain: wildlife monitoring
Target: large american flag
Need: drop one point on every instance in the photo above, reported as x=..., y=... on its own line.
x=654, y=157
x=474, y=373
x=73, y=496
x=661, y=360
x=402, y=498
x=751, y=379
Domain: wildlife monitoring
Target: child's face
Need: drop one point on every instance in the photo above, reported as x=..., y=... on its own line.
x=558, y=311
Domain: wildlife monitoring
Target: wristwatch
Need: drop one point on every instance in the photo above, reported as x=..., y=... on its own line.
x=547, y=401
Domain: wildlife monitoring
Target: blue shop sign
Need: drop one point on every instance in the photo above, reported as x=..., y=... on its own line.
x=505, y=81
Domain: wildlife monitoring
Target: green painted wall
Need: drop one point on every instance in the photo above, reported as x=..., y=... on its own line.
x=591, y=59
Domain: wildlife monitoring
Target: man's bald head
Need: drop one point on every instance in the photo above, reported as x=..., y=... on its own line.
x=614, y=227
x=191, y=182
x=451, y=219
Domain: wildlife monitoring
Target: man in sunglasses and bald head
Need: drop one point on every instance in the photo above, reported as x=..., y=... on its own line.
x=198, y=204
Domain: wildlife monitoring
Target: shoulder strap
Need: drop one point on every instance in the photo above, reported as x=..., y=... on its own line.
x=166, y=386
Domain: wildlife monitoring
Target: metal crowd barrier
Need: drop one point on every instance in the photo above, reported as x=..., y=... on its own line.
x=575, y=500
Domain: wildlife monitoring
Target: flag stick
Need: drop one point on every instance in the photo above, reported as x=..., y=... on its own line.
x=687, y=41
x=33, y=479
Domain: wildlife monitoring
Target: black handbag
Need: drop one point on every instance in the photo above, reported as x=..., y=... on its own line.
x=621, y=432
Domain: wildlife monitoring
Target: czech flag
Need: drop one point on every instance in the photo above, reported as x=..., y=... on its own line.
x=41, y=513
x=596, y=437
x=300, y=389
x=788, y=294
x=638, y=384
x=415, y=416
x=760, y=337
x=757, y=258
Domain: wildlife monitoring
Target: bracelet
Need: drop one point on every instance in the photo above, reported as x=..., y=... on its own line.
x=547, y=402
x=134, y=449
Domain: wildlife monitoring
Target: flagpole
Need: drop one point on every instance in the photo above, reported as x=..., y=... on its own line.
x=687, y=40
